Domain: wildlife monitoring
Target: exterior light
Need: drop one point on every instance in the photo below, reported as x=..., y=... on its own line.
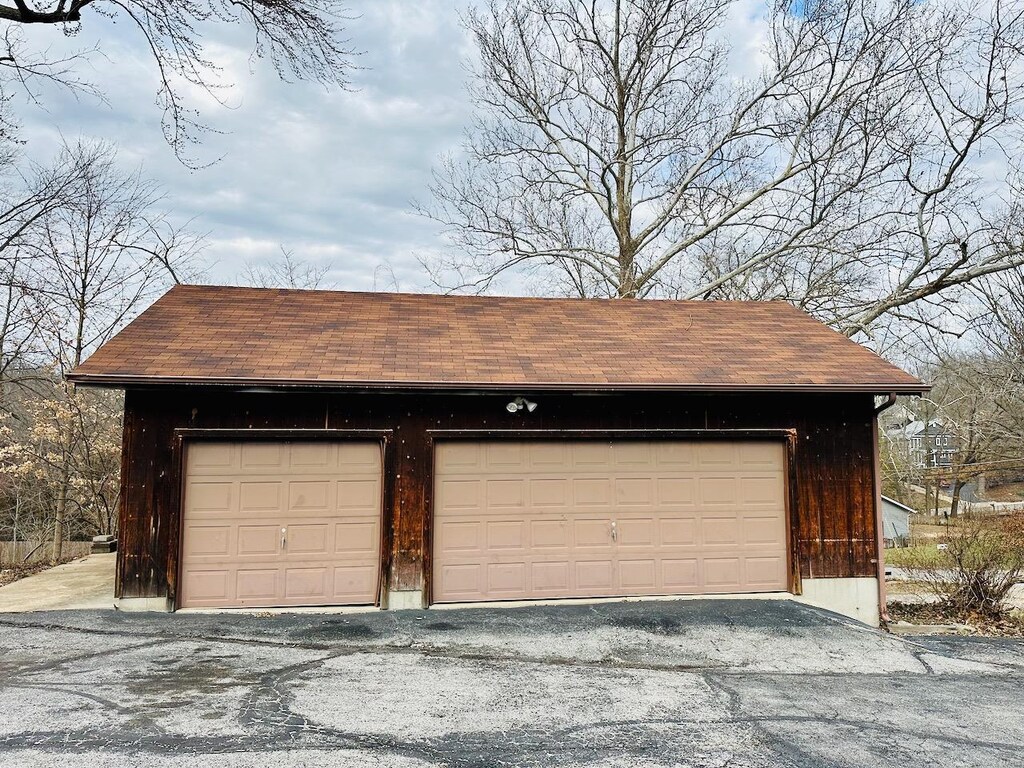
x=514, y=406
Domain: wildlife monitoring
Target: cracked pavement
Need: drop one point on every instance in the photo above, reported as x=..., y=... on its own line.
x=660, y=683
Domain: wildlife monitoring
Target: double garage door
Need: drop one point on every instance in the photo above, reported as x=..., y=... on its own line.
x=284, y=524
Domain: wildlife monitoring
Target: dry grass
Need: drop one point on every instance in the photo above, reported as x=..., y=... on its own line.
x=1006, y=492
x=12, y=573
x=1008, y=625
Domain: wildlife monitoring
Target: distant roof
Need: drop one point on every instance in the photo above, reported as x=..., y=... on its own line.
x=275, y=337
x=914, y=428
x=904, y=507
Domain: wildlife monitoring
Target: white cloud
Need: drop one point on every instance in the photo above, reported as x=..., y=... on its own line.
x=325, y=173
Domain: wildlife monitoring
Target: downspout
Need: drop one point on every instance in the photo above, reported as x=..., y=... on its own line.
x=883, y=612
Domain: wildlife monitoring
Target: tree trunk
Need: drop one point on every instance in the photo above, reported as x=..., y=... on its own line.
x=954, y=505
x=58, y=521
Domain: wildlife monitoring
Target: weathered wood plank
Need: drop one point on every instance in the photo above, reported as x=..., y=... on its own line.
x=835, y=526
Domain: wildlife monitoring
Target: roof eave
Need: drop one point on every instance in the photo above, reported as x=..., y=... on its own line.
x=120, y=381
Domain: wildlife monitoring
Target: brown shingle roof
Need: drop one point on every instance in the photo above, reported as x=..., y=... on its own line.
x=250, y=336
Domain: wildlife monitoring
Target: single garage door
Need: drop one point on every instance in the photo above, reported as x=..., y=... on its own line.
x=517, y=520
x=281, y=524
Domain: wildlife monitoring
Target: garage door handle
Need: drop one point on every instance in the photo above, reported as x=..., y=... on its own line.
x=284, y=539
x=615, y=531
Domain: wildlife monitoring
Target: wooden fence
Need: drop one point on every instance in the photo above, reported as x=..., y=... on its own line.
x=33, y=552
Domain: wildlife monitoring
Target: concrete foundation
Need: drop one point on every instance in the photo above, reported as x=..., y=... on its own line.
x=856, y=598
x=143, y=604
x=405, y=600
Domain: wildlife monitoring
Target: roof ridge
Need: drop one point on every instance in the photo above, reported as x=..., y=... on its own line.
x=485, y=297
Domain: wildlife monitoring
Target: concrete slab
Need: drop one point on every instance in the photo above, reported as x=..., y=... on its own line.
x=85, y=584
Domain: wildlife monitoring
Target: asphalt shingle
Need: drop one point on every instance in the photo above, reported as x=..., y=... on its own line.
x=216, y=334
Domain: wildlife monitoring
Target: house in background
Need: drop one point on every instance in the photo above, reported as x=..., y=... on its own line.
x=926, y=444
x=323, y=448
x=895, y=522
x=932, y=443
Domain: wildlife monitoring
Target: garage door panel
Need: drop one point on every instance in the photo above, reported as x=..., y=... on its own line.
x=502, y=494
x=506, y=535
x=549, y=492
x=722, y=573
x=213, y=585
x=306, y=583
x=210, y=457
x=638, y=576
x=591, y=457
x=505, y=456
x=550, y=577
x=308, y=539
x=463, y=581
x=357, y=538
x=207, y=540
x=628, y=455
x=330, y=551
x=720, y=531
x=689, y=518
x=680, y=575
x=256, y=585
x=762, y=491
x=506, y=579
x=678, y=531
x=312, y=455
x=594, y=575
x=717, y=491
x=549, y=457
x=214, y=498
x=762, y=531
x=256, y=496
x=592, y=492
x=352, y=583
x=549, y=535
x=310, y=496
x=459, y=537
x=257, y=540
x=588, y=534
x=764, y=455
x=634, y=491
x=456, y=494
x=262, y=455
x=675, y=492
x=359, y=495
x=671, y=455
x=636, y=532
x=712, y=455
x=458, y=457
x=764, y=570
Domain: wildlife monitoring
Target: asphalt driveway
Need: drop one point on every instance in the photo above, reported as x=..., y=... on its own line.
x=670, y=683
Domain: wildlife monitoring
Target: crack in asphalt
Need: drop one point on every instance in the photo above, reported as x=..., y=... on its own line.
x=269, y=722
x=411, y=645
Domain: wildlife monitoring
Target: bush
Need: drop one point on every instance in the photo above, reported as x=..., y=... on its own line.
x=973, y=573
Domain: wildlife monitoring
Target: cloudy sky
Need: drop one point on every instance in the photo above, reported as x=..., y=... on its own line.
x=325, y=173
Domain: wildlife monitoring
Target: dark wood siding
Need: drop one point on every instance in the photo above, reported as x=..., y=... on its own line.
x=834, y=484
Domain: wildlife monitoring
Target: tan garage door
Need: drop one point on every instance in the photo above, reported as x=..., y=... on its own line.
x=280, y=524
x=589, y=519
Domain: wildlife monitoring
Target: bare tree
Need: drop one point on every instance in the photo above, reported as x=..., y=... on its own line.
x=616, y=152
x=973, y=403
x=98, y=254
x=302, y=38
x=286, y=271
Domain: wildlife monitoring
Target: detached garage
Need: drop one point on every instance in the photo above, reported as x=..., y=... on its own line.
x=322, y=448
